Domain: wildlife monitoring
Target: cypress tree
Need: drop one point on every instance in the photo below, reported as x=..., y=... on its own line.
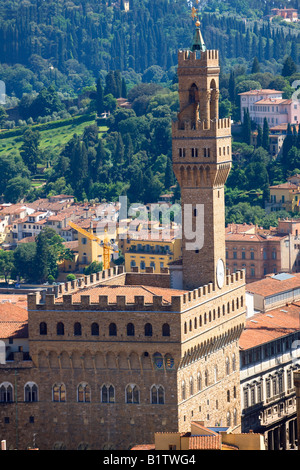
x=124, y=88
x=247, y=127
x=259, y=136
x=118, y=81
x=232, y=86
x=41, y=258
x=110, y=84
x=99, y=98
x=289, y=67
x=255, y=66
x=265, y=137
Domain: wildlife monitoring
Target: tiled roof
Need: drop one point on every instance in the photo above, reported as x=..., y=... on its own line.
x=273, y=101
x=13, y=321
x=205, y=442
x=270, y=285
x=287, y=185
x=260, y=92
x=264, y=327
x=128, y=291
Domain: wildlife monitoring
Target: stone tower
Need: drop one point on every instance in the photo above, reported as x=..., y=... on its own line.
x=201, y=147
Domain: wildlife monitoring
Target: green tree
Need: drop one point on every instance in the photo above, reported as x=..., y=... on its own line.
x=259, y=136
x=3, y=116
x=99, y=98
x=24, y=257
x=94, y=267
x=265, y=137
x=29, y=150
x=255, y=66
x=6, y=263
x=41, y=260
x=246, y=127
x=46, y=103
x=289, y=67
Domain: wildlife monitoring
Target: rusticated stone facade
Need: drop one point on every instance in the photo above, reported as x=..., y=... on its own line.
x=113, y=362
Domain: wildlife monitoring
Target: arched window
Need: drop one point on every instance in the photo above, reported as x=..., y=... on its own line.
x=233, y=362
x=148, y=329
x=183, y=390
x=166, y=329
x=227, y=366
x=228, y=419
x=77, y=329
x=112, y=329
x=60, y=329
x=216, y=374
x=95, y=329
x=234, y=417
x=191, y=386
x=83, y=393
x=6, y=392
x=199, y=381
x=31, y=392
x=206, y=378
x=132, y=394
x=108, y=394
x=130, y=329
x=193, y=93
x=157, y=395
x=43, y=328
x=59, y=392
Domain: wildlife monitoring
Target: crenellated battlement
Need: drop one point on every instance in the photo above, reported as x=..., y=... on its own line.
x=85, y=281
x=178, y=303
x=184, y=129
x=208, y=58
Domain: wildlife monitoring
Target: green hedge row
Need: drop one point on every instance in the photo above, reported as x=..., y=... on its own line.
x=49, y=125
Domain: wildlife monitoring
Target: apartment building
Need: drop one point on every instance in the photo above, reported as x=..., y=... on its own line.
x=259, y=252
x=148, y=249
x=284, y=196
x=269, y=104
x=269, y=356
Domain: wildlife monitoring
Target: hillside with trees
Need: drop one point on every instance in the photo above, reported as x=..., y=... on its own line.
x=71, y=61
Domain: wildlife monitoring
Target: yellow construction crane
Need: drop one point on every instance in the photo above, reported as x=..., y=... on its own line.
x=105, y=243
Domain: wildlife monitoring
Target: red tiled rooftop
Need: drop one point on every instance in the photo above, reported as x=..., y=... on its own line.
x=263, y=91
x=128, y=291
x=13, y=321
x=264, y=327
x=287, y=185
x=270, y=285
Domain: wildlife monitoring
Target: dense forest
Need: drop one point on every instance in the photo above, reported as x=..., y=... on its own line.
x=65, y=60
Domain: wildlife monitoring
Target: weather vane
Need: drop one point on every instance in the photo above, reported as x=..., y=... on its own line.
x=195, y=13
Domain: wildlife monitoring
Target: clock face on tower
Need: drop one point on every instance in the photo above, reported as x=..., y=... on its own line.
x=220, y=273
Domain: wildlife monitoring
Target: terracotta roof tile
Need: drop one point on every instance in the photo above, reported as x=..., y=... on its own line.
x=264, y=327
x=205, y=442
x=128, y=291
x=13, y=321
x=270, y=285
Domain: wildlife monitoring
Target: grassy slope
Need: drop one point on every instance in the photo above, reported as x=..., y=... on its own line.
x=51, y=139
